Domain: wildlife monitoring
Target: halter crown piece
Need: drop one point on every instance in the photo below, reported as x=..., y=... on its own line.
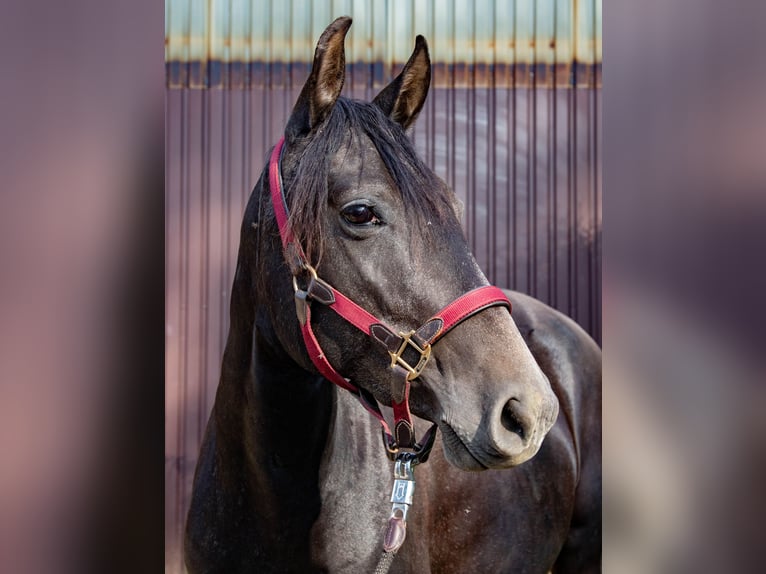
x=415, y=343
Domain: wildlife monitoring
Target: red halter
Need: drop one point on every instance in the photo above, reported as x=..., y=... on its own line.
x=419, y=340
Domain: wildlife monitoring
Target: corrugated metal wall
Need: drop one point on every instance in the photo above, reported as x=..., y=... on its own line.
x=512, y=124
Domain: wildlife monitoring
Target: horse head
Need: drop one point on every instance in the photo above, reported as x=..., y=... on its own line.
x=379, y=226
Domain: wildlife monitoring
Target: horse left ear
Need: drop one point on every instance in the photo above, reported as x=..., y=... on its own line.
x=321, y=90
x=403, y=98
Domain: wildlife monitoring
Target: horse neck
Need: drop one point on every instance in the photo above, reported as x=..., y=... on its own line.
x=287, y=415
x=298, y=419
x=272, y=423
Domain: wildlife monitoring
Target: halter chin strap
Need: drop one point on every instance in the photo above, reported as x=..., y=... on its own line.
x=409, y=352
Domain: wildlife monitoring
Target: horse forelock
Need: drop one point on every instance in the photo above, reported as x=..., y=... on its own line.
x=425, y=196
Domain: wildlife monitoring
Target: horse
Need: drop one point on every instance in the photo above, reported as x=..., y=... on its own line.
x=293, y=475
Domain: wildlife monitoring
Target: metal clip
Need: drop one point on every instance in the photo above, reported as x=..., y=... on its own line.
x=404, y=486
x=401, y=497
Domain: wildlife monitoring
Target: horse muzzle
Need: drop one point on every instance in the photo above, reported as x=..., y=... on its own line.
x=508, y=434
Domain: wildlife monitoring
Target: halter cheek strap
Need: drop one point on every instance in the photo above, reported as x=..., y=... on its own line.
x=404, y=349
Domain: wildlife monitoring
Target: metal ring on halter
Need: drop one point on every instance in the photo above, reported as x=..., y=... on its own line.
x=312, y=272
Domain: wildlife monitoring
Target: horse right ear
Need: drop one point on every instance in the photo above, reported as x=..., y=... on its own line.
x=404, y=97
x=321, y=90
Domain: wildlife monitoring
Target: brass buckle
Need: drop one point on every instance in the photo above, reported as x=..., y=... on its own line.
x=425, y=353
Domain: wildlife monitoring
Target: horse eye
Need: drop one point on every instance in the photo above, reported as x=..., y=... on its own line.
x=359, y=214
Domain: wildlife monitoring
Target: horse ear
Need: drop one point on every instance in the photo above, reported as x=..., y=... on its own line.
x=403, y=98
x=325, y=82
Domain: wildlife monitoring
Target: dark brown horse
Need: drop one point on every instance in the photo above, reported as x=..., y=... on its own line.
x=293, y=475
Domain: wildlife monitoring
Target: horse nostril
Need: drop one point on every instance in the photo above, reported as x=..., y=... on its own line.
x=510, y=418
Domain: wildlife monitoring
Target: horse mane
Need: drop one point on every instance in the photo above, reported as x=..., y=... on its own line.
x=424, y=194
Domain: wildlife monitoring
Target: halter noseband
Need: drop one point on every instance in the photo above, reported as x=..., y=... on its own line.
x=417, y=342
